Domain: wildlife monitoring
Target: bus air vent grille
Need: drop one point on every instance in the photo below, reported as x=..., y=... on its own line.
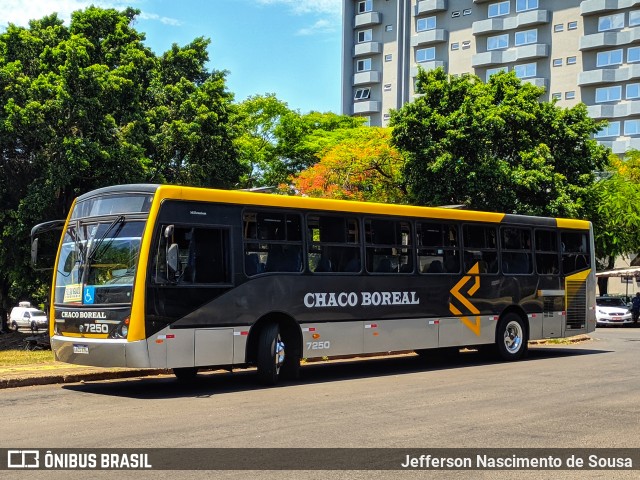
x=576, y=305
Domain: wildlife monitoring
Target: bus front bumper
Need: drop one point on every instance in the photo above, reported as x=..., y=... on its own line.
x=99, y=352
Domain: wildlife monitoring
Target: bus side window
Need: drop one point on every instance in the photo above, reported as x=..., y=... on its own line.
x=202, y=255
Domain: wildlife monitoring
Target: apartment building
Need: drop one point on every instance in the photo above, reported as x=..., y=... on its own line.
x=579, y=51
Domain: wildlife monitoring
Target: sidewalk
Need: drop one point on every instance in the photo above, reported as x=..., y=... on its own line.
x=56, y=372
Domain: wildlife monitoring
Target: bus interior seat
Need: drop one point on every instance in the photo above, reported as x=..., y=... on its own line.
x=251, y=264
x=434, y=267
x=324, y=265
x=384, y=266
x=352, y=265
x=451, y=265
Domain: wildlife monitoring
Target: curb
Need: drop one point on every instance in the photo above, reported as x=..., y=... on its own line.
x=77, y=377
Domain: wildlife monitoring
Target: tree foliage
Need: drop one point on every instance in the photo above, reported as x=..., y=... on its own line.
x=617, y=211
x=90, y=105
x=363, y=167
x=494, y=146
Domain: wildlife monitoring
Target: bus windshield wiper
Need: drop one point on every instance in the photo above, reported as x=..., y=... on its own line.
x=94, y=251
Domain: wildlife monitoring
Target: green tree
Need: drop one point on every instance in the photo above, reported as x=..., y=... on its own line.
x=90, y=105
x=494, y=146
x=617, y=213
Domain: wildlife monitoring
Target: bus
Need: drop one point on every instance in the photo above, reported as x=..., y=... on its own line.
x=184, y=278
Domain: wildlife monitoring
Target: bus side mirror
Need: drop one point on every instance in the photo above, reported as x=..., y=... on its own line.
x=168, y=232
x=172, y=260
x=34, y=253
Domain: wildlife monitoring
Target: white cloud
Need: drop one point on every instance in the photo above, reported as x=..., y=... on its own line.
x=20, y=12
x=331, y=7
x=321, y=26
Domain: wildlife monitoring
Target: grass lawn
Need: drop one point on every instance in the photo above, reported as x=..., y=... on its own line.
x=24, y=357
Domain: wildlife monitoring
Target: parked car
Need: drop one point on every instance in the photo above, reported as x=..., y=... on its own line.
x=24, y=316
x=612, y=311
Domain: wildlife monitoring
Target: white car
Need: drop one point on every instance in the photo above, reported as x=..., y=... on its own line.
x=28, y=317
x=612, y=311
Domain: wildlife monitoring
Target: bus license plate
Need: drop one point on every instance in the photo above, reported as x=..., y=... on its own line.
x=84, y=349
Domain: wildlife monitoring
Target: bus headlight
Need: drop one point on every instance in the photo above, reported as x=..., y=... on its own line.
x=124, y=330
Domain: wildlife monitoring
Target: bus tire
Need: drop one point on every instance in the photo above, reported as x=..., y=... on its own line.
x=271, y=354
x=511, y=337
x=185, y=374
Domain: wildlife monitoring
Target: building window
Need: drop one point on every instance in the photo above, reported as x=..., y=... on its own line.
x=633, y=55
x=611, y=22
x=571, y=60
x=363, y=65
x=558, y=27
x=556, y=96
x=527, y=37
x=524, y=5
x=362, y=94
x=632, y=127
x=425, y=54
x=612, y=57
x=466, y=11
x=387, y=87
x=498, y=9
x=611, y=130
x=526, y=70
x=365, y=36
x=570, y=95
x=498, y=42
x=634, y=18
x=365, y=6
x=493, y=71
x=388, y=57
x=388, y=28
x=557, y=62
x=455, y=46
x=455, y=14
x=632, y=91
x=608, y=94
x=466, y=44
x=423, y=24
x=572, y=25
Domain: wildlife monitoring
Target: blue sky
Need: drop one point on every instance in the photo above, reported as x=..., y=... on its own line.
x=288, y=47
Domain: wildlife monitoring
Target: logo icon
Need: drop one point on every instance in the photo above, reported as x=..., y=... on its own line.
x=89, y=295
x=23, y=459
x=474, y=277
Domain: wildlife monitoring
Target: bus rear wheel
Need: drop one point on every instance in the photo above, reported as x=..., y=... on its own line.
x=511, y=337
x=271, y=354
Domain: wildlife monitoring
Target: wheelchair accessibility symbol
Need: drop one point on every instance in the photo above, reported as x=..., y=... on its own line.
x=89, y=295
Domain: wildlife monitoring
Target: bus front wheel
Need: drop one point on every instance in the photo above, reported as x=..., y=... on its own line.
x=511, y=337
x=271, y=354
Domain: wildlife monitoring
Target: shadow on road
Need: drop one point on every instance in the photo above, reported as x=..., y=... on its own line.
x=208, y=384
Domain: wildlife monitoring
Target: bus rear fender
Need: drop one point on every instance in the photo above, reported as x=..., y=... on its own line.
x=289, y=329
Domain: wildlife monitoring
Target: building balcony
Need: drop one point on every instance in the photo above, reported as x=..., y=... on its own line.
x=370, y=106
x=367, y=48
x=590, y=7
x=366, y=19
x=610, y=39
x=538, y=82
x=430, y=6
x=427, y=66
x=501, y=24
x=621, y=145
x=437, y=35
x=499, y=57
x=609, y=75
x=614, y=110
x=364, y=78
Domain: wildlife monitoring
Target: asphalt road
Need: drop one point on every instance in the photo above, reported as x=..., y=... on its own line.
x=580, y=396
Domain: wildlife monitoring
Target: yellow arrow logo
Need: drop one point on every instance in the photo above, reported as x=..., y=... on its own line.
x=455, y=291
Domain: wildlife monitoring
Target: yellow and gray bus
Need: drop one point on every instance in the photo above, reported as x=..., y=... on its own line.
x=185, y=278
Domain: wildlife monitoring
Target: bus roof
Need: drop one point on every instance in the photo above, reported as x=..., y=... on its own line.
x=241, y=197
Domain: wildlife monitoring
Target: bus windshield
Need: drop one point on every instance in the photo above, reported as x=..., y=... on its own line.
x=98, y=262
